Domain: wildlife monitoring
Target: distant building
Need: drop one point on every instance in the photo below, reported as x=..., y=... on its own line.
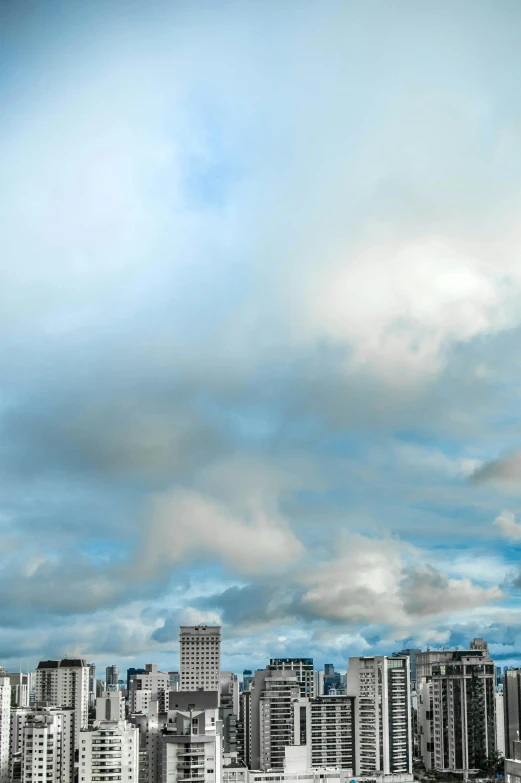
x=130, y=673
x=110, y=706
x=112, y=675
x=410, y=653
x=200, y=655
x=153, y=685
x=247, y=679
x=65, y=684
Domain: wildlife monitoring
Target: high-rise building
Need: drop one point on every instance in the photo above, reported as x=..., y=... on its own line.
x=42, y=738
x=151, y=686
x=277, y=724
x=5, y=728
x=325, y=725
x=512, y=708
x=500, y=723
x=92, y=684
x=229, y=710
x=112, y=675
x=110, y=706
x=410, y=653
x=303, y=667
x=247, y=679
x=109, y=751
x=383, y=732
x=200, y=657
x=65, y=684
x=175, y=681
x=130, y=673
x=191, y=747
x=464, y=719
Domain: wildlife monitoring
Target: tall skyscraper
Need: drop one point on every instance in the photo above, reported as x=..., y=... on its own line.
x=277, y=723
x=65, y=684
x=5, y=727
x=112, y=675
x=464, y=719
x=383, y=731
x=303, y=668
x=200, y=655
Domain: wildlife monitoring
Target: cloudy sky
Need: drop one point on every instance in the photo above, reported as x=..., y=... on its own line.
x=260, y=318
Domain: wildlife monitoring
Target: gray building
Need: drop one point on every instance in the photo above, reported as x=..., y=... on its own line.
x=512, y=708
x=303, y=668
x=326, y=726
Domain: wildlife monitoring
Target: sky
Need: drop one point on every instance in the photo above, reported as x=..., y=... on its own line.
x=260, y=318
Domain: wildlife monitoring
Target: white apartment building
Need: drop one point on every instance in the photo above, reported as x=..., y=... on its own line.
x=464, y=717
x=191, y=747
x=276, y=718
x=110, y=751
x=304, y=670
x=5, y=728
x=325, y=726
x=110, y=706
x=151, y=686
x=200, y=656
x=383, y=732
x=42, y=743
x=65, y=684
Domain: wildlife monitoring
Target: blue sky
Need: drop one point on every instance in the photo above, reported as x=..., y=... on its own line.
x=260, y=316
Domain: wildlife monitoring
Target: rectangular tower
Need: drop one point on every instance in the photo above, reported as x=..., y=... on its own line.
x=382, y=689
x=5, y=727
x=65, y=684
x=200, y=656
x=303, y=668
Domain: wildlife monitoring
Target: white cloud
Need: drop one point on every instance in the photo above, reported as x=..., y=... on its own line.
x=508, y=526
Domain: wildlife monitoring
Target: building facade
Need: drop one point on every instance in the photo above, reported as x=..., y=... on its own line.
x=326, y=726
x=110, y=706
x=464, y=718
x=65, y=683
x=5, y=728
x=512, y=708
x=112, y=675
x=303, y=668
x=276, y=718
x=383, y=731
x=191, y=748
x=151, y=686
x=109, y=751
x=43, y=743
x=200, y=656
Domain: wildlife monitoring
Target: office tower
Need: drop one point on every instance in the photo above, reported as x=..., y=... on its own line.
x=410, y=653
x=326, y=726
x=382, y=689
x=65, y=684
x=191, y=747
x=303, y=667
x=42, y=738
x=512, y=708
x=500, y=722
x=110, y=706
x=200, y=657
x=153, y=685
x=109, y=751
x=130, y=673
x=112, y=675
x=464, y=720
x=247, y=679
x=5, y=728
x=277, y=726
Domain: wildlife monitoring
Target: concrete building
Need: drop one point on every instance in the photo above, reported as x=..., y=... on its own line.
x=426, y=660
x=5, y=728
x=229, y=711
x=244, y=744
x=151, y=686
x=512, y=708
x=109, y=751
x=303, y=668
x=65, y=684
x=191, y=747
x=130, y=673
x=276, y=717
x=110, y=706
x=464, y=719
x=247, y=679
x=112, y=675
x=500, y=723
x=325, y=726
x=200, y=656
x=42, y=744
x=383, y=732
x=513, y=764
x=319, y=682
x=426, y=722
x=410, y=653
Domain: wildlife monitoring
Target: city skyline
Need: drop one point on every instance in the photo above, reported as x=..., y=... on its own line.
x=260, y=288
